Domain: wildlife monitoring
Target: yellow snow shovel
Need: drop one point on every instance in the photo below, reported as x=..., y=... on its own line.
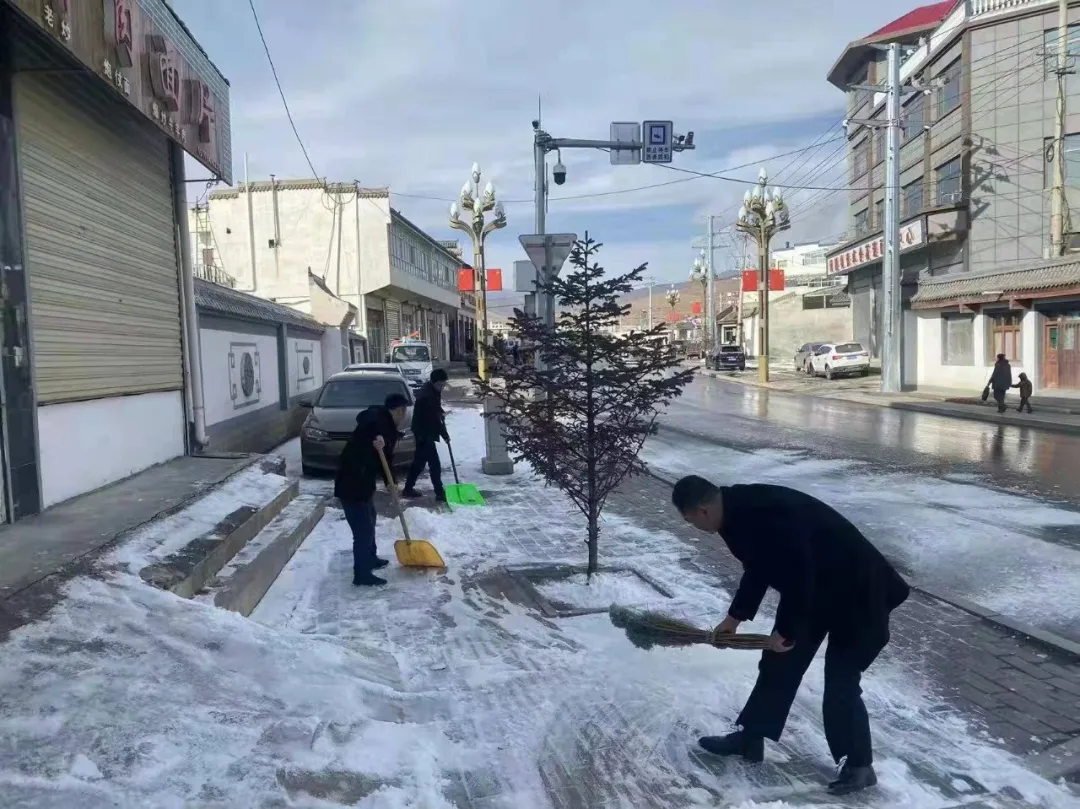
x=410, y=552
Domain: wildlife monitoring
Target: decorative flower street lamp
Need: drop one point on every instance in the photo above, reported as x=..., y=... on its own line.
x=478, y=204
x=763, y=215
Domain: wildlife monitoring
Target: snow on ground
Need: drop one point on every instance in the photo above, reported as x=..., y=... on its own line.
x=571, y=706
x=155, y=541
x=624, y=587
x=432, y=693
x=991, y=547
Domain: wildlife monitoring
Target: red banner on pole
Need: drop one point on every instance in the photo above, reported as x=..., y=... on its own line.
x=695, y=308
x=494, y=280
x=466, y=280
x=750, y=280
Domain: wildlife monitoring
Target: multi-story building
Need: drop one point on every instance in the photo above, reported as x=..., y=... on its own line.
x=978, y=277
x=268, y=236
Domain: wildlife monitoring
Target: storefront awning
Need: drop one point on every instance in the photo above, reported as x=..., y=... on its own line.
x=1043, y=280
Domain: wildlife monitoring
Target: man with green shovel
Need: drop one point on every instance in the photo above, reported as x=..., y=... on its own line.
x=428, y=426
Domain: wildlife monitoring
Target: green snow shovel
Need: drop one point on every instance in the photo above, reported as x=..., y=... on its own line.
x=461, y=494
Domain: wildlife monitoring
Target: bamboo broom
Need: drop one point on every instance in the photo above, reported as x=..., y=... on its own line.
x=646, y=629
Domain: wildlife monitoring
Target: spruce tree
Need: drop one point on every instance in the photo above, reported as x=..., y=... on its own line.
x=582, y=420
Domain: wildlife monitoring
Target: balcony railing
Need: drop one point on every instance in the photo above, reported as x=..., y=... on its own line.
x=215, y=275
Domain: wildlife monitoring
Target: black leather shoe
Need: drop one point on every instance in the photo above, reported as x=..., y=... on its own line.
x=735, y=744
x=853, y=779
x=380, y=563
x=411, y=494
x=368, y=580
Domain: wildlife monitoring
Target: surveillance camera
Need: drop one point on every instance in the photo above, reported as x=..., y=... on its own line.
x=559, y=173
x=536, y=124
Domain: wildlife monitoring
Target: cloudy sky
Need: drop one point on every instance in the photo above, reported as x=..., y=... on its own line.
x=408, y=93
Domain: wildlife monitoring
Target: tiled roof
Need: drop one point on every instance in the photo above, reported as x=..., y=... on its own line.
x=300, y=185
x=973, y=288
x=221, y=300
x=921, y=17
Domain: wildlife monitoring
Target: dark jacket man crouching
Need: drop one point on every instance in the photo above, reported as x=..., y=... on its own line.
x=832, y=581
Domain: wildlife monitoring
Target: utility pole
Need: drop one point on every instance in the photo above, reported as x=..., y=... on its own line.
x=1059, y=206
x=651, y=282
x=710, y=309
x=741, y=337
x=890, y=268
x=892, y=310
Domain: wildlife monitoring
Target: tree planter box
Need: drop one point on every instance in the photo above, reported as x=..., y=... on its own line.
x=532, y=580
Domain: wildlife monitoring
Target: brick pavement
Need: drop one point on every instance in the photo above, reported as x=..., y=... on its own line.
x=1023, y=693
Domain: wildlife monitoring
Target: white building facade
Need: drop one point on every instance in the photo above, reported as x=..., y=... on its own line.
x=268, y=237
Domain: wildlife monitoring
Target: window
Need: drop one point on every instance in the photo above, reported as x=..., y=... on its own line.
x=948, y=182
x=879, y=144
x=862, y=158
x=862, y=225
x=1004, y=336
x=1050, y=44
x=879, y=213
x=914, y=116
x=1072, y=161
x=958, y=340
x=913, y=197
x=949, y=94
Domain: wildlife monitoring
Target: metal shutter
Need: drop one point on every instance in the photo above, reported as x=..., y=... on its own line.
x=101, y=257
x=393, y=320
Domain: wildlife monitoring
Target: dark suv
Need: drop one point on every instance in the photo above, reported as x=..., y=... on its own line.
x=729, y=358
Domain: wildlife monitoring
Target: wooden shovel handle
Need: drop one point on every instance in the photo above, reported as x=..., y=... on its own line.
x=393, y=493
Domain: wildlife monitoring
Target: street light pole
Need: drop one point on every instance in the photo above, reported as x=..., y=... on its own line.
x=478, y=204
x=703, y=274
x=762, y=216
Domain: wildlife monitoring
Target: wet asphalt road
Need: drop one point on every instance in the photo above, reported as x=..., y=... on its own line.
x=1036, y=462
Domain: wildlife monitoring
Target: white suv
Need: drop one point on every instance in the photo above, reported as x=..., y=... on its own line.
x=839, y=359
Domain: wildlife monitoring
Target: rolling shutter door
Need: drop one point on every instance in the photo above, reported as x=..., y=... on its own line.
x=101, y=257
x=393, y=320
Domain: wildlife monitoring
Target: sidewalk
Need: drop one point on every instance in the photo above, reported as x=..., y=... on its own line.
x=1056, y=414
x=454, y=690
x=38, y=553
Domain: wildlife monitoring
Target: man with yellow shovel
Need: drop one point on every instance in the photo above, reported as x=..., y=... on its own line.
x=377, y=431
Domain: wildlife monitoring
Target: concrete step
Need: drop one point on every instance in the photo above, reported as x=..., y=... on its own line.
x=189, y=569
x=242, y=583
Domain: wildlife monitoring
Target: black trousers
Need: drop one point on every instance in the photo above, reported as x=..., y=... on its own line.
x=360, y=514
x=427, y=454
x=999, y=397
x=847, y=726
x=1024, y=403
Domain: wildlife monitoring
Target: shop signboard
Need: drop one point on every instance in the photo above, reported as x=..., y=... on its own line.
x=146, y=55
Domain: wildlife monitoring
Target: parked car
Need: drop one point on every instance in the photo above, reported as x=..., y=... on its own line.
x=803, y=355
x=729, y=358
x=381, y=367
x=333, y=417
x=840, y=359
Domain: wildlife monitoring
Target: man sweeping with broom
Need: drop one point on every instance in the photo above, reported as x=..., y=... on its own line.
x=832, y=582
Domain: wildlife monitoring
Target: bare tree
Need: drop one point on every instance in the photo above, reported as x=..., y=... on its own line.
x=581, y=422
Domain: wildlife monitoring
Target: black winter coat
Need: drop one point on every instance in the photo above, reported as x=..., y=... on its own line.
x=427, y=416
x=827, y=573
x=1001, y=379
x=360, y=467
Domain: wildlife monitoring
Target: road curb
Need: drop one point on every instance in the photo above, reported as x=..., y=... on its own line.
x=992, y=418
x=1034, y=634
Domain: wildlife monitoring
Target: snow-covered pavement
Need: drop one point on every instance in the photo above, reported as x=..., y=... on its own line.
x=437, y=692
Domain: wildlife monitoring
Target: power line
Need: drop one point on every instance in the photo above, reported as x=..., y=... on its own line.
x=281, y=92
x=595, y=194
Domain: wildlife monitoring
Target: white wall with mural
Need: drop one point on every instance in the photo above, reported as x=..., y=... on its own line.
x=240, y=373
x=305, y=365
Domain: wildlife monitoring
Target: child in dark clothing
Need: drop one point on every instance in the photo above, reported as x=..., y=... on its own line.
x=1025, y=393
